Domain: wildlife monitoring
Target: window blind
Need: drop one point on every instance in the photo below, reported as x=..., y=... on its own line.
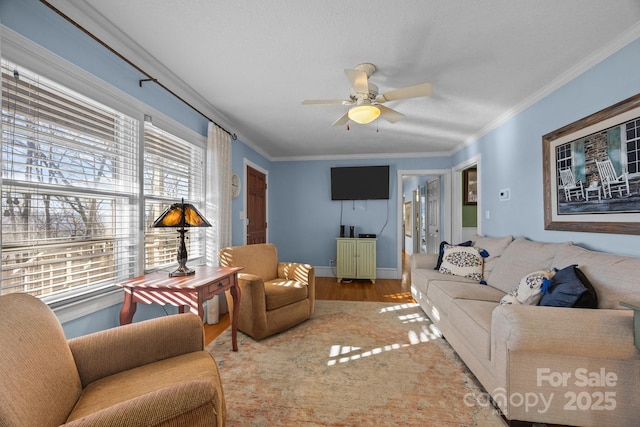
x=69, y=188
x=173, y=170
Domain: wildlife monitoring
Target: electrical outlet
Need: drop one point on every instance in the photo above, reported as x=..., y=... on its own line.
x=332, y=261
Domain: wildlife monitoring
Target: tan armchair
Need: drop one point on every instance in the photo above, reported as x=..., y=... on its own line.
x=151, y=373
x=274, y=295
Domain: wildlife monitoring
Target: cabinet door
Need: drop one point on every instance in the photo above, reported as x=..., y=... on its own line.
x=346, y=259
x=366, y=266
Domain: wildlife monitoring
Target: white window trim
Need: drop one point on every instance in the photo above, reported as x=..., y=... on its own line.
x=20, y=50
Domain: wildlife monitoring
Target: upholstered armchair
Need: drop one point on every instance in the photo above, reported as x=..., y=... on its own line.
x=150, y=373
x=274, y=295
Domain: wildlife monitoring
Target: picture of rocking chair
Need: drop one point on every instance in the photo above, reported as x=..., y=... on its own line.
x=570, y=186
x=612, y=181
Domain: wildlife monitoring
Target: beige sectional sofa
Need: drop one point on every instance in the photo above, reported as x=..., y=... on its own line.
x=570, y=366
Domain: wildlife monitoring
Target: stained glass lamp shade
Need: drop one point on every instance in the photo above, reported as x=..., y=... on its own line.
x=182, y=216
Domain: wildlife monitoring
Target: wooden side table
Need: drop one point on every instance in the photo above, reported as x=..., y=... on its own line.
x=191, y=291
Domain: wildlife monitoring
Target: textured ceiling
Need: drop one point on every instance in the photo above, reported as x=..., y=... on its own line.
x=253, y=62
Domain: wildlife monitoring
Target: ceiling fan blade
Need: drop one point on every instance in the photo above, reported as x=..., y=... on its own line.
x=325, y=102
x=342, y=120
x=359, y=80
x=423, y=89
x=389, y=115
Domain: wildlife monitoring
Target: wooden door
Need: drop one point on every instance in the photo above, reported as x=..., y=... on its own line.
x=256, y=206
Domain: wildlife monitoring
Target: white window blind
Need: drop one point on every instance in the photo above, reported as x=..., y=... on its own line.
x=69, y=188
x=173, y=170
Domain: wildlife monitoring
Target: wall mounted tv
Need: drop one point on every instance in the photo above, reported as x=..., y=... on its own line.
x=360, y=183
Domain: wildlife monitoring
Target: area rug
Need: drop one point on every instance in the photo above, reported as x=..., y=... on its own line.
x=351, y=364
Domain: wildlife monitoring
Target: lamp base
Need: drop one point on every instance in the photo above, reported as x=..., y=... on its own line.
x=183, y=270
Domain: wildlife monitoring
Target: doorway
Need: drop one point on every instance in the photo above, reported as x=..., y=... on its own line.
x=459, y=234
x=441, y=219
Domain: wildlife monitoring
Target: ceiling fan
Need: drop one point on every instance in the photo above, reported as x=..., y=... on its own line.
x=365, y=100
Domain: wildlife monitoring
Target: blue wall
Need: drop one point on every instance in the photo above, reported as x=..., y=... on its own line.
x=512, y=153
x=303, y=221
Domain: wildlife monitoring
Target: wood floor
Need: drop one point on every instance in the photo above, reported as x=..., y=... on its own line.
x=328, y=288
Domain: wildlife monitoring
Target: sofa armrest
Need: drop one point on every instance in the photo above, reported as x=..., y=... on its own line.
x=600, y=333
x=125, y=347
x=180, y=401
x=424, y=261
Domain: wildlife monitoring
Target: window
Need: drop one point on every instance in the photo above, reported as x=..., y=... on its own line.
x=564, y=156
x=69, y=188
x=173, y=170
x=632, y=130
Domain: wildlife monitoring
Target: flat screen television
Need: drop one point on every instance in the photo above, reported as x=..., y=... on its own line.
x=360, y=183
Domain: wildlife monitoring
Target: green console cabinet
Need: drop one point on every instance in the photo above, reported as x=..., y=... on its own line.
x=356, y=258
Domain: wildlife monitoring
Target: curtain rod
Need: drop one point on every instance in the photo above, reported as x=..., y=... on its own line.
x=119, y=55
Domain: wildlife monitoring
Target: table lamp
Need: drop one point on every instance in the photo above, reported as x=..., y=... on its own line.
x=181, y=215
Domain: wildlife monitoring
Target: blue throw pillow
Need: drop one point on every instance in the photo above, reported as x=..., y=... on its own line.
x=569, y=287
x=441, y=253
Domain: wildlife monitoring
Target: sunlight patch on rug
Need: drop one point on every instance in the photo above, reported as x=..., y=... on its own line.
x=351, y=364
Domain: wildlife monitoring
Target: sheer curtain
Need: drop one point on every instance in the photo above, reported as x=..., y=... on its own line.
x=218, y=192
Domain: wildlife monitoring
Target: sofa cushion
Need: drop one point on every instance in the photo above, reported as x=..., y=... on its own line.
x=529, y=290
x=522, y=257
x=472, y=319
x=260, y=260
x=443, y=246
x=132, y=384
x=614, y=277
x=422, y=277
x=495, y=246
x=570, y=288
x=442, y=293
x=462, y=261
x=281, y=292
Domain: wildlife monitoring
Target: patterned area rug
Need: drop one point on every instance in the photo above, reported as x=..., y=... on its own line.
x=351, y=364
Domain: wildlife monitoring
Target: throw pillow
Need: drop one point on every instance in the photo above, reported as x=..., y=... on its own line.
x=509, y=299
x=529, y=290
x=462, y=261
x=442, y=248
x=570, y=288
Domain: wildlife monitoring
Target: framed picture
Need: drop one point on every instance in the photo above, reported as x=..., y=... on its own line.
x=408, y=226
x=591, y=172
x=470, y=178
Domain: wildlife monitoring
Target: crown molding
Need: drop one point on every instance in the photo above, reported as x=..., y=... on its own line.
x=589, y=62
x=95, y=23
x=361, y=156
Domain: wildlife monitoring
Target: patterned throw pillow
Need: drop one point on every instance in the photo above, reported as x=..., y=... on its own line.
x=443, y=246
x=529, y=290
x=462, y=261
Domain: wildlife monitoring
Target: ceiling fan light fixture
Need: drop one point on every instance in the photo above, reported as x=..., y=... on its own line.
x=364, y=114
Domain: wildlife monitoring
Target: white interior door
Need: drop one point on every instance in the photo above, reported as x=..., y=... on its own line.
x=433, y=215
x=415, y=215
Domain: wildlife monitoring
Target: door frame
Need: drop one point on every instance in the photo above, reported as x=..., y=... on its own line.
x=246, y=162
x=456, y=213
x=445, y=174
